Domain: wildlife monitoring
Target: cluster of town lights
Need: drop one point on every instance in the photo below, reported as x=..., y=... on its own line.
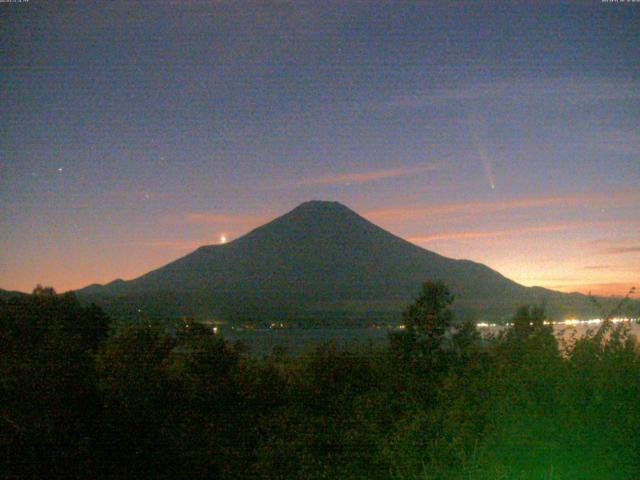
x=568, y=322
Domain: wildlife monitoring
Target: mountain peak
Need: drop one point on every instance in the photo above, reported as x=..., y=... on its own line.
x=314, y=220
x=321, y=205
x=320, y=260
x=319, y=212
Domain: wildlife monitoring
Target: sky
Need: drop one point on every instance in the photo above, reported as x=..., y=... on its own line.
x=507, y=133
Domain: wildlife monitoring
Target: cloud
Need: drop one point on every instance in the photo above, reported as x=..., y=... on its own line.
x=552, y=279
x=204, y=218
x=624, y=141
x=578, y=90
x=480, y=207
x=176, y=245
x=362, y=177
x=598, y=267
x=617, y=246
x=618, y=289
x=551, y=227
x=211, y=218
x=621, y=250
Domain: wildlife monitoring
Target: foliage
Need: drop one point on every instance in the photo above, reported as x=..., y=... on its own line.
x=429, y=316
x=440, y=403
x=47, y=383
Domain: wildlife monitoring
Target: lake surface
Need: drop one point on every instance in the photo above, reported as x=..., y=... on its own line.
x=299, y=340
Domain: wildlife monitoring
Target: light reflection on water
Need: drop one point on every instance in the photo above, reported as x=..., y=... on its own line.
x=298, y=340
x=569, y=328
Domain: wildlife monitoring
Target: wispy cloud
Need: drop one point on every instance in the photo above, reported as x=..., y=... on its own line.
x=621, y=250
x=362, y=177
x=174, y=245
x=551, y=279
x=617, y=246
x=598, y=267
x=569, y=89
x=479, y=207
x=619, y=289
x=467, y=234
x=213, y=218
x=624, y=141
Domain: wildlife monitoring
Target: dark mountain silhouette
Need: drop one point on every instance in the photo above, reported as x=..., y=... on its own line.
x=7, y=294
x=321, y=261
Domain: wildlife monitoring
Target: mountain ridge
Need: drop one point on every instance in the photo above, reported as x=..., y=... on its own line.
x=317, y=260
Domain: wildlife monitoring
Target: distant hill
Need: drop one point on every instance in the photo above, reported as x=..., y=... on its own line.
x=320, y=261
x=6, y=294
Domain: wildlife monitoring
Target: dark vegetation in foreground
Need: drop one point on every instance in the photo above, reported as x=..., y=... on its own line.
x=79, y=400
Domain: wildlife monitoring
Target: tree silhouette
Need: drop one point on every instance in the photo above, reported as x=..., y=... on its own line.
x=429, y=316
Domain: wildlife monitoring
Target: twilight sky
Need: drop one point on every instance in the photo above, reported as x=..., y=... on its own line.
x=507, y=133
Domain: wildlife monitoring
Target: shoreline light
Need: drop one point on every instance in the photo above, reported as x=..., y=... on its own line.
x=567, y=322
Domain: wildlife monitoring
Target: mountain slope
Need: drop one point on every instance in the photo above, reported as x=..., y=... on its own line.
x=320, y=260
x=7, y=294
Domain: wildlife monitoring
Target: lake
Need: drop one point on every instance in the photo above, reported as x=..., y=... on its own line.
x=298, y=340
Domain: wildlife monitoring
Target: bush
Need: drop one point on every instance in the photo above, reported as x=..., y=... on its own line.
x=439, y=403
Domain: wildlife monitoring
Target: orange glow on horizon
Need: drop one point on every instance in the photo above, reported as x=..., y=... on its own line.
x=599, y=289
x=560, y=255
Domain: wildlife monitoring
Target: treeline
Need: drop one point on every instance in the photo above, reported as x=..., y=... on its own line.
x=79, y=400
